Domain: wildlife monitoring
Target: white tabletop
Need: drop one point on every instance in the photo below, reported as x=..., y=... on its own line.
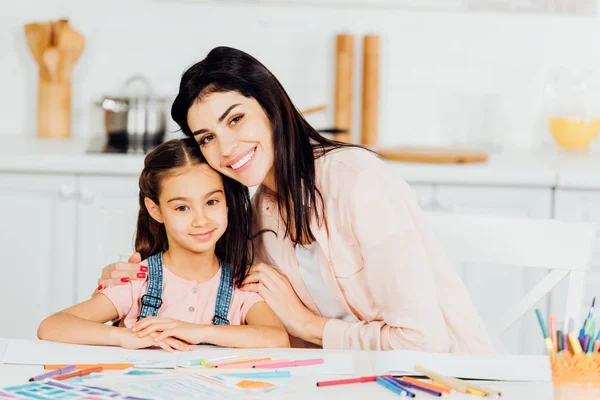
x=305, y=388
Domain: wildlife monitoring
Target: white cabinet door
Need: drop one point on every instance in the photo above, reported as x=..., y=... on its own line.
x=495, y=288
x=581, y=205
x=37, y=241
x=107, y=216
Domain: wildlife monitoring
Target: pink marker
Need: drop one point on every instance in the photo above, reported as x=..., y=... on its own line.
x=299, y=363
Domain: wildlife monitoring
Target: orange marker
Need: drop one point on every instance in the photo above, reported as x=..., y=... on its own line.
x=437, y=388
x=86, y=366
x=78, y=373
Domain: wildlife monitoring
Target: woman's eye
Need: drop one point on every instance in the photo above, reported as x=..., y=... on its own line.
x=235, y=120
x=182, y=208
x=212, y=202
x=205, y=140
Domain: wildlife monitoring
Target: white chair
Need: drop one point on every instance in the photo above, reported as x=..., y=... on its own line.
x=563, y=248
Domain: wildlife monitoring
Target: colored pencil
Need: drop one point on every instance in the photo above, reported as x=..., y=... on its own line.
x=336, y=382
x=553, y=333
x=299, y=363
x=409, y=385
x=55, y=372
x=443, y=389
x=547, y=340
x=78, y=373
x=559, y=341
x=114, y=367
x=488, y=391
x=575, y=345
x=245, y=364
x=253, y=357
x=392, y=387
x=452, y=383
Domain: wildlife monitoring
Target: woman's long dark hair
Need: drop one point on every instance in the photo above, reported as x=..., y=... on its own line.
x=296, y=143
x=150, y=238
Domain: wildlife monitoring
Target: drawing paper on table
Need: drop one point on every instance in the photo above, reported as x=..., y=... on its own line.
x=35, y=352
x=492, y=367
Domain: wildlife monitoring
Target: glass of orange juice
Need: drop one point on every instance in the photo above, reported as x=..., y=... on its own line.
x=573, y=107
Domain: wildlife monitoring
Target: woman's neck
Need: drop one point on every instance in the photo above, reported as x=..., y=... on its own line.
x=191, y=266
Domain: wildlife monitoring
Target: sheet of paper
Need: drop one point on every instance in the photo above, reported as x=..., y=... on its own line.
x=35, y=352
x=336, y=363
x=503, y=368
x=54, y=390
x=185, y=386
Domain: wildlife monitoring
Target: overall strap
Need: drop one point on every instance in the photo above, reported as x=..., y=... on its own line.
x=152, y=300
x=223, y=295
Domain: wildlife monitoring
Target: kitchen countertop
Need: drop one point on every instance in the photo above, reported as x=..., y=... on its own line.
x=547, y=167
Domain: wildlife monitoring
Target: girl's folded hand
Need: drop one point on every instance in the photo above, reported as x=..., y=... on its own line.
x=130, y=340
x=162, y=328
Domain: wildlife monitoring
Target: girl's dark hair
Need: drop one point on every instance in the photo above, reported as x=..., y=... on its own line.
x=150, y=238
x=296, y=143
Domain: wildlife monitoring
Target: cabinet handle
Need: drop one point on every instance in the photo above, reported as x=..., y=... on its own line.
x=86, y=196
x=66, y=191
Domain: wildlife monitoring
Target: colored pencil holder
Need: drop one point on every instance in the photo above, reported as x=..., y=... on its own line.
x=576, y=376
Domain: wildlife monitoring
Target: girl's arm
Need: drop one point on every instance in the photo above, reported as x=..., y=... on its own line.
x=84, y=323
x=263, y=329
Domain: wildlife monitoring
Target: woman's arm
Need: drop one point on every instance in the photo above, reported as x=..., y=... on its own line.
x=84, y=323
x=263, y=329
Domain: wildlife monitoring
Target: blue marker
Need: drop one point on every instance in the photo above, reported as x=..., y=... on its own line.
x=262, y=375
x=396, y=389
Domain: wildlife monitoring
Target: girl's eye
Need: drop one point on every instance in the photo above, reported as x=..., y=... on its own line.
x=235, y=120
x=182, y=208
x=205, y=140
x=212, y=202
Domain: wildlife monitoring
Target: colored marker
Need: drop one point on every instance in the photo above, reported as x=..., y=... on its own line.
x=263, y=375
x=247, y=364
x=299, y=363
x=559, y=342
x=452, y=383
x=408, y=385
x=553, y=333
x=336, y=382
x=438, y=388
x=83, y=372
x=118, y=366
x=396, y=389
x=59, y=371
x=237, y=359
x=547, y=340
x=575, y=345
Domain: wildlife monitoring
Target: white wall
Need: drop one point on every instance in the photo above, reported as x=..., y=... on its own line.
x=427, y=59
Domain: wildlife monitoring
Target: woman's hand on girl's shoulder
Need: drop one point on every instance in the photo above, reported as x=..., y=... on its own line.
x=119, y=273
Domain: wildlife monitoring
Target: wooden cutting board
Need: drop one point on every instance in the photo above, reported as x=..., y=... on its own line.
x=433, y=155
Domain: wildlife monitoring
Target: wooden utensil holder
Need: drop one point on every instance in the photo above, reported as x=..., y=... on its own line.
x=54, y=109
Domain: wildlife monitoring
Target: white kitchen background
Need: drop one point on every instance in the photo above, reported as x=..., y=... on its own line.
x=441, y=72
x=491, y=65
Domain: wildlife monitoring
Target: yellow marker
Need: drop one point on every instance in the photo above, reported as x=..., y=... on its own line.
x=575, y=345
x=476, y=392
x=549, y=346
x=208, y=360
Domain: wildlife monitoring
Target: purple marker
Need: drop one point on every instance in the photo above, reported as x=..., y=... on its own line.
x=60, y=371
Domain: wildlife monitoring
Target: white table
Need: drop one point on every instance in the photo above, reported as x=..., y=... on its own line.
x=305, y=388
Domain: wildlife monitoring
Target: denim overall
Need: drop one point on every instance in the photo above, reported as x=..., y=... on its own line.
x=152, y=300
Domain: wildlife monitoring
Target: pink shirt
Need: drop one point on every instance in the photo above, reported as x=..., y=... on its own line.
x=183, y=300
x=379, y=259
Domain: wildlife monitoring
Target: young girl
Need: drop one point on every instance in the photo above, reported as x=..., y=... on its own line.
x=193, y=230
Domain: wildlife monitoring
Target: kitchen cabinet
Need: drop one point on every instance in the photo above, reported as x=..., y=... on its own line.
x=580, y=206
x=38, y=246
x=106, y=221
x=495, y=288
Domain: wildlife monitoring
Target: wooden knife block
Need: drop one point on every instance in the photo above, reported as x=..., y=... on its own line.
x=54, y=109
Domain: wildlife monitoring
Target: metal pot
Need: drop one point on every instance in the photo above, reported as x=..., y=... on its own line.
x=135, y=120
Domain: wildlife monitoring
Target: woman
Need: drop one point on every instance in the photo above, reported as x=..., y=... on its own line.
x=347, y=260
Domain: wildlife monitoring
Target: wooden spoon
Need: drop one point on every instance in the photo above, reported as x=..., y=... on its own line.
x=52, y=61
x=71, y=44
x=38, y=37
